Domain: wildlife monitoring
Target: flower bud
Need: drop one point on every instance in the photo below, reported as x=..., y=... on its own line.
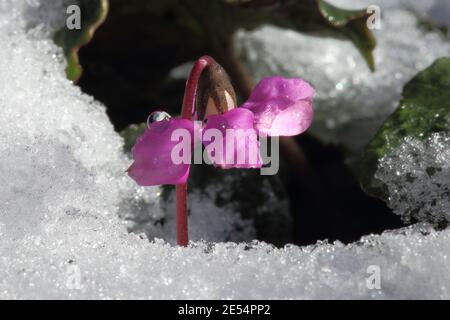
x=215, y=94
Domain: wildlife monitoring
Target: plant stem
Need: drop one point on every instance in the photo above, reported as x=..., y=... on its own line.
x=187, y=112
x=182, y=217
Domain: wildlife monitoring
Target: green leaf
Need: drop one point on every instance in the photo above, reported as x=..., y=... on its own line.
x=424, y=109
x=93, y=14
x=352, y=24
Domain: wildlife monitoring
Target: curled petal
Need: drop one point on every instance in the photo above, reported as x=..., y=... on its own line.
x=158, y=159
x=231, y=140
x=282, y=106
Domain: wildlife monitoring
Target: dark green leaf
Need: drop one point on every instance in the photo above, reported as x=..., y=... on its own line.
x=424, y=109
x=93, y=14
x=353, y=24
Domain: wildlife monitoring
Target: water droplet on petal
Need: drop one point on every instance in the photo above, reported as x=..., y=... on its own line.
x=157, y=116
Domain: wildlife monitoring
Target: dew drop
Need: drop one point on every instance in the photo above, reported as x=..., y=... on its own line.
x=157, y=116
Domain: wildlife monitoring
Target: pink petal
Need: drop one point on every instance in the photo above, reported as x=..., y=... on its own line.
x=152, y=154
x=239, y=135
x=282, y=106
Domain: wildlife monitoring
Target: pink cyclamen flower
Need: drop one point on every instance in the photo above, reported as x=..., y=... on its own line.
x=277, y=107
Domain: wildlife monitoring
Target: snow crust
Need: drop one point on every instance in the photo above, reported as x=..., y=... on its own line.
x=417, y=175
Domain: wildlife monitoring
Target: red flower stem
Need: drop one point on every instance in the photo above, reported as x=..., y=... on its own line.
x=187, y=112
x=182, y=219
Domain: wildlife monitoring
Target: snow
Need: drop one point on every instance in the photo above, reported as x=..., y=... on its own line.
x=206, y=221
x=435, y=10
x=351, y=102
x=63, y=187
x=418, y=178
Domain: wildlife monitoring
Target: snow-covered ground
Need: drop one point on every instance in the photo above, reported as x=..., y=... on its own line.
x=63, y=187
